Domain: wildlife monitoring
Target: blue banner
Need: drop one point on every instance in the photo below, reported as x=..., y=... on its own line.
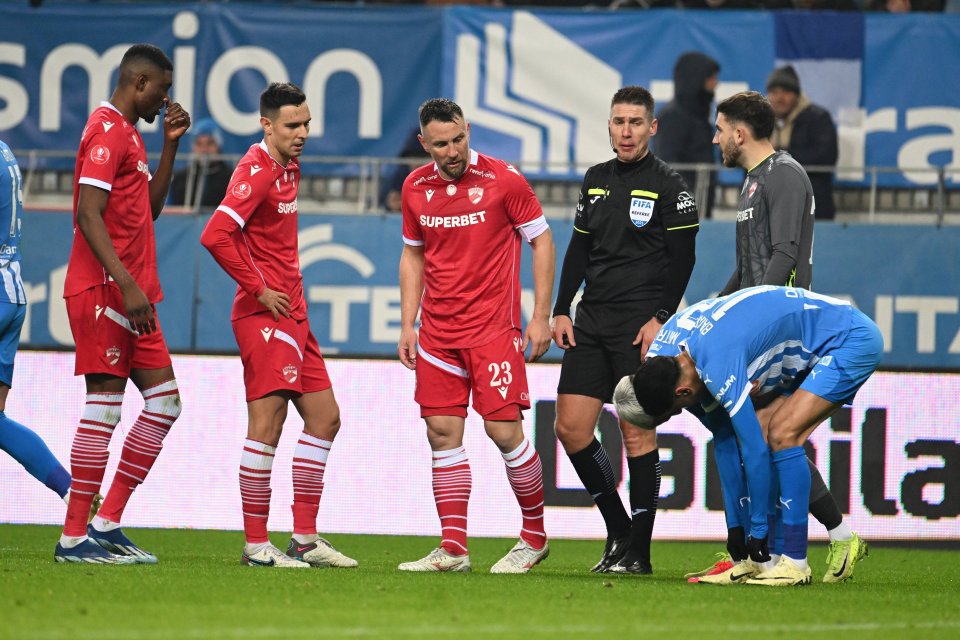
x=535, y=84
x=904, y=277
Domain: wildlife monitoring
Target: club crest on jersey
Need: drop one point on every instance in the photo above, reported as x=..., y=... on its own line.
x=290, y=373
x=242, y=190
x=475, y=194
x=113, y=355
x=641, y=210
x=99, y=154
x=451, y=189
x=752, y=189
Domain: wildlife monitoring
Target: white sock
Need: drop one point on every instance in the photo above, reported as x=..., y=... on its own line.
x=766, y=566
x=255, y=547
x=800, y=562
x=306, y=538
x=841, y=534
x=104, y=525
x=69, y=542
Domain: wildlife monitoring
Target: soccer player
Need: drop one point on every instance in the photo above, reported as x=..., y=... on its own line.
x=253, y=236
x=799, y=355
x=111, y=288
x=633, y=243
x=463, y=218
x=23, y=445
x=775, y=225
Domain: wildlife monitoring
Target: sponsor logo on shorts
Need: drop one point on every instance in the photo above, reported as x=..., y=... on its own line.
x=525, y=396
x=242, y=190
x=517, y=342
x=99, y=154
x=113, y=355
x=290, y=373
x=265, y=332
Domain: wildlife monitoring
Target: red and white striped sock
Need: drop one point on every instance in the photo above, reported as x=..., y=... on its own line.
x=309, y=463
x=526, y=478
x=142, y=446
x=256, y=465
x=451, y=490
x=88, y=457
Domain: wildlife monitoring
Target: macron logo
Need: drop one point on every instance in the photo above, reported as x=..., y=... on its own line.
x=255, y=169
x=107, y=126
x=266, y=331
x=98, y=310
x=429, y=193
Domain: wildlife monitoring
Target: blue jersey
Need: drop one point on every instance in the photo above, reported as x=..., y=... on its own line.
x=11, y=217
x=755, y=341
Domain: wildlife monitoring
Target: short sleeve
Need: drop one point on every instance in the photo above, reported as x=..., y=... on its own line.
x=103, y=155
x=412, y=231
x=519, y=200
x=248, y=186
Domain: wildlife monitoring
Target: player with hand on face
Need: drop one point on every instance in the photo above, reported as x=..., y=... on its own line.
x=253, y=237
x=111, y=288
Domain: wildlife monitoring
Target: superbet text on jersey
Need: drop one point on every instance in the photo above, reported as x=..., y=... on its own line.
x=112, y=157
x=468, y=229
x=262, y=199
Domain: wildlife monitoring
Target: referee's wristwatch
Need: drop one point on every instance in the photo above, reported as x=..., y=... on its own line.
x=662, y=316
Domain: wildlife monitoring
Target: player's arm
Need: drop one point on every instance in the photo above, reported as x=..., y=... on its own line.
x=733, y=284
x=736, y=500
x=91, y=203
x=176, y=121
x=537, y=334
x=411, y=292
x=756, y=459
x=222, y=237
x=572, y=272
x=787, y=201
x=681, y=222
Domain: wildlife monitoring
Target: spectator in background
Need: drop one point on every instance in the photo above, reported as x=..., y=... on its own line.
x=204, y=181
x=686, y=133
x=805, y=130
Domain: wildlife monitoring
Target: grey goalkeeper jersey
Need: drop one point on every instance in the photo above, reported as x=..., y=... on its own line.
x=775, y=226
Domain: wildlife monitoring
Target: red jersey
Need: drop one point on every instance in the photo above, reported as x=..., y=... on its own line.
x=253, y=233
x=112, y=157
x=468, y=229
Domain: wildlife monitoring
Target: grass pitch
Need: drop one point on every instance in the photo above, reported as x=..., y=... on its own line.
x=199, y=590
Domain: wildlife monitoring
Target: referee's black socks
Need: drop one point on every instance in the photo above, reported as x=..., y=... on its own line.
x=644, y=493
x=596, y=474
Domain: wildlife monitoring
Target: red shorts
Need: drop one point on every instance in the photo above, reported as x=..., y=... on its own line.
x=279, y=355
x=495, y=372
x=106, y=342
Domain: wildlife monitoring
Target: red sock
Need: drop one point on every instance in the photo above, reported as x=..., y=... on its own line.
x=88, y=457
x=451, y=490
x=309, y=463
x=255, y=468
x=526, y=478
x=142, y=446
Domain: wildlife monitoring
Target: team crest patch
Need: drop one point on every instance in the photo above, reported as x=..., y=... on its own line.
x=290, y=373
x=752, y=189
x=113, y=355
x=242, y=190
x=641, y=210
x=99, y=154
x=475, y=194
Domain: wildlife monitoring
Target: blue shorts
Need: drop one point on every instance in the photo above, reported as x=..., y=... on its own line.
x=11, y=320
x=840, y=373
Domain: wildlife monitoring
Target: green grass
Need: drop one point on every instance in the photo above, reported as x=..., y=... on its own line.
x=199, y=590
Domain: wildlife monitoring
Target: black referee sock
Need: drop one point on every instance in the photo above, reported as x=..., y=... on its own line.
x=822, y=505
x=596, y=474
x=644, y=493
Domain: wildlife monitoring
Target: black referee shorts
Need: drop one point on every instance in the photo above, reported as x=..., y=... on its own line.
x=604, y=352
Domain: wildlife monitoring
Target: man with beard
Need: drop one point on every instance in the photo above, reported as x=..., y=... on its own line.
x=111, y=289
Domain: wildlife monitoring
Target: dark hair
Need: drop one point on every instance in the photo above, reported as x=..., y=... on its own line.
x=280, y=94
x=752, y=109
x=441, y=110
x=147, y=52
x=654, y=384
x=634, y=95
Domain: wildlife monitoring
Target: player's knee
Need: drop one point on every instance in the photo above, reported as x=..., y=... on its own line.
x=574, y=437
x=167, y=405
